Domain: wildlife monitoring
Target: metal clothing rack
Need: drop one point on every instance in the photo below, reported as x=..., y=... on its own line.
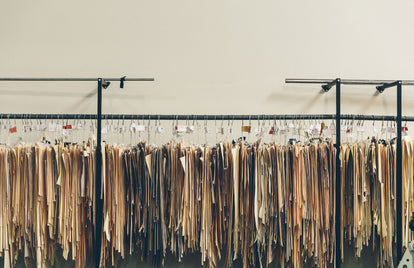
x=102, y=83
x=327, y=84
x=381, y=85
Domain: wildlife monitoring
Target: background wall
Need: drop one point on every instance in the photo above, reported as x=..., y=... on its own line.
x=206, y=56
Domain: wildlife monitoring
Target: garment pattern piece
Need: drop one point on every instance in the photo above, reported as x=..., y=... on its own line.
x=46, y=203
x=262, y=203
x=258, y=203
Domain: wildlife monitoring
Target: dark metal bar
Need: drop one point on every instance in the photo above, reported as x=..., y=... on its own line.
x=399, y=172
x=338, y=175
x=217, y=117
x=72, y=79
x=130, y=79
x=49, y=116
x=307, y=81
x=374, y=82
x=98, y=200
x=200, y=117
x=346, y=81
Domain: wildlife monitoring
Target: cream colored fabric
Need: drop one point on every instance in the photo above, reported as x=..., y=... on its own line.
x=46, y=203
x=257, y=203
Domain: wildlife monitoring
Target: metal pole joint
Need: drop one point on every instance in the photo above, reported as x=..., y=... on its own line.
x=329, y=85
x=384, y=86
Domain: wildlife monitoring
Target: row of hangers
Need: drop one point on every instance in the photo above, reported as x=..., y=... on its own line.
x=134, y=131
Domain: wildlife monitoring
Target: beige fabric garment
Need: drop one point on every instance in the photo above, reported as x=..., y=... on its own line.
x=261, y=203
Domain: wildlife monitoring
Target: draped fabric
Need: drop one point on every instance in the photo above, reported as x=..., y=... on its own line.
x=46, y=203
x=257, y=203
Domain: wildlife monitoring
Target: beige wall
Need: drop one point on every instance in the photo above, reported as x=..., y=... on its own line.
x=207, y=56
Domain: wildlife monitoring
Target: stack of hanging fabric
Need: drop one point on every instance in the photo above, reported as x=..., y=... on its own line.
x=368, y=211
x=259, y=203
x=46, y=203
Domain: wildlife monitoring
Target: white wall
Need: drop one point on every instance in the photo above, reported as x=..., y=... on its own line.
x=206, y=56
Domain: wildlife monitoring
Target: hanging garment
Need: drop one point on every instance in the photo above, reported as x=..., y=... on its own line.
x=46, y=203
x=257, y=203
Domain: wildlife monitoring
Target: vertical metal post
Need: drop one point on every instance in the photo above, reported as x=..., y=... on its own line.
x=338, y=176
x=399, y=172
x=98, y=200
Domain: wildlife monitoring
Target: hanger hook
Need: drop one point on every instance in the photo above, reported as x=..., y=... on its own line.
x=122, y=81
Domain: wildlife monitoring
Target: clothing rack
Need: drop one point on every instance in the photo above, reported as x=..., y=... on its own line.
x=102, y=83
x=327, y=84
x=381, y=85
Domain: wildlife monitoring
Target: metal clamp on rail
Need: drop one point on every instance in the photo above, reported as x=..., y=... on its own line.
x=328, y=86
x=384, y=86
x=105, y=84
